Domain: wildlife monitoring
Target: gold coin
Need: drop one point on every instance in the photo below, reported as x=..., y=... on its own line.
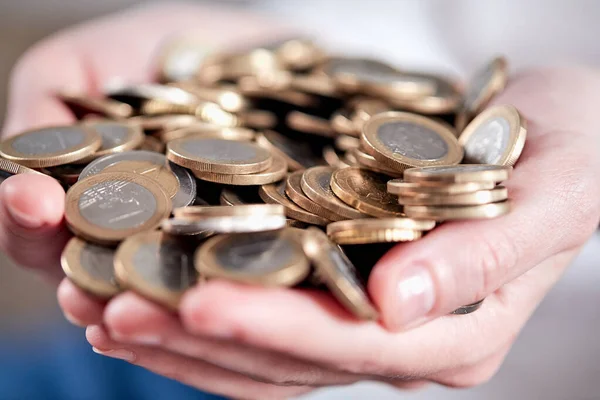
x=351, y=73
x=116, y=138
x=371, y=230
x=203, y=212
x=51, y=146
x=338, y=273
x=109, y=207
x=399, y=187
x=266, y=258
x=208, y=130
x=158, y=173
x=276, y=172
x=82, y=105
x=487, y=82
x=67, y=174
x=369, y=162
x=497, y=194
x=275, y=194
x=316, y=186
x=90, y=267
x=311, y=124
x=445, y=100
x=221, y=156
x=151, y=143
x=458, y=174
x=157, y=266
x=496, y=136
x=9, y=168
x=294, y=191
x=342, y=123
x=366, y=191
x=447, y=213
x=401, y=140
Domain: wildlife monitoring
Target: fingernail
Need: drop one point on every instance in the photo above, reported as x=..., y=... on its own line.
x=415, y=296
x=121, y=354
x=23, y=219
x=138, y=338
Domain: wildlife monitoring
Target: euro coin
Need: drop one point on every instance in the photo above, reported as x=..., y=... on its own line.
x=448, y=213
x=9, y=168
x=276, y=172
x=294, y=191
x=494, y=195
x=116, y=137
x=457, y=174
x=371, y=230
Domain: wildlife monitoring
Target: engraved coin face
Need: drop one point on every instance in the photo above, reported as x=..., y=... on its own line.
x=49, y=140
x=158, y=173
x=489, y=141
x=480, y=81
x=412, y=140
x=98, y=262
x=113, y=134
x=229, y=151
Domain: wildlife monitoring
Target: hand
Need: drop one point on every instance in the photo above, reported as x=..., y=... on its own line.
x=260, y=343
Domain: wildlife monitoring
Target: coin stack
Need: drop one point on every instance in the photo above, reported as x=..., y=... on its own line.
x=235, y=165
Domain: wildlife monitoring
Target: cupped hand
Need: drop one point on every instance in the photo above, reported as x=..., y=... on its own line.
x=250, y=342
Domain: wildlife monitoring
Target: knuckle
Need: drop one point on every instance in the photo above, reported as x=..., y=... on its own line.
x=473, y=376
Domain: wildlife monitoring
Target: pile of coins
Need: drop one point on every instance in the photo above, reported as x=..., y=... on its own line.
x=236, y=164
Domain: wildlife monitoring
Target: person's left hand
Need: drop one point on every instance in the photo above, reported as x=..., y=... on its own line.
x=252, y=342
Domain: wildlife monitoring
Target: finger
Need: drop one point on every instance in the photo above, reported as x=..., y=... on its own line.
x=555, y=195
x=132, y=319
x=32, y=231
x=193, y=372
x=119, y=47
x=79, y=307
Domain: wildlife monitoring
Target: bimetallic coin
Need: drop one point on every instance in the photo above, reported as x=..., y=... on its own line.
x=250, y=210
x=486, y=83
x=448, y=213
x=369, y=162
x=224, y=224
x=207, y=154
x=90, y=267
x=399, y=187
x=9, y=168
x=164, y=122
x=350, y=73
x=237, y=196
x=184, y=227
x=311, y=124
x=401, y=140
x=445, y=100
x=267, y=258
x=316, y=186
x=401, y=85
x=108, y=208
x=275, y=194
x=157, y=266
x=298, y=154
x=458, y=174
x=227, y=97
x=468, y=309
x=208, y=130
x=338, y=273
x=116, y=137
x=294, y=191
x=51, y=146
x=365, y=191
x=371, y=230
x=276, y=172
x=496, y=136
x=159, y=173
x=82, y=105
x=497, y=194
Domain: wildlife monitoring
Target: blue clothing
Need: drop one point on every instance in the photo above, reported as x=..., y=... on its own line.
x=62, y=366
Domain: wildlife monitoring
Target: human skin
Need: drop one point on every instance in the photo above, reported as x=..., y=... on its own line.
x=252, y=342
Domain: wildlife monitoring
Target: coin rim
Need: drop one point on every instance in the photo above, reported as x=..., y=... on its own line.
x=276, y=172
x=367, y=161
x=296, y=194
x=441, y=213
x=402, y=188
x=493, y=86
x=424, y=175
x=204, y=212
x=479, y=197
x=135, y=138
x=270, y=195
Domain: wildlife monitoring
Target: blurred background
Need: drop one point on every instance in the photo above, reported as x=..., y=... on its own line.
x=556, y=356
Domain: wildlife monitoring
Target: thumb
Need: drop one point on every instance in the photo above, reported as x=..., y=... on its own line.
x=32, y=231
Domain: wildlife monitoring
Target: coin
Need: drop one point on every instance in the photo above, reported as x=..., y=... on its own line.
x=164, y=122
x=342, y=123
x=338, y=273
x=158, y=173
x=445, y=100
x=315, y=84
x=257, y=119
x=9, y=168
x=81, y=105
x=116, y=137
x=371, y=230
x=235, y=196
x=136, y=95
x=187, y=184
x=298, y=154
x=226, y=97
x=311, y=124
x=494, y=195
x=366, y=191
x=157, y=266
x=151, y=143
x=51, y=146
x=316, y=186
x=496, y=136
x=487, y=82
x=447, y=213
x=399, y=187
x=401, y=140
x=369, y=162
x=108, y=208
x=299, y=54
x=249, y=210
x=267, y=258
x=458, y=174
x=468, y=308
x=275, y=194
x=67, y=174
x=274, y=173
x=401, y=85
x=294, y=191
x=90, y=267
x=347, y=143
x=350, y=73
x=208, y=154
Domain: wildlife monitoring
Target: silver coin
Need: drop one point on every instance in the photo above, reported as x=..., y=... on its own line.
x=256, y=254
x=488, y=143
x=186, y=194
x=150, y=91
x=477, y=85
x=468, y=308
x=117, y=205
x=113, y=133
x=231, y=224
x=98, y=262
x=49, y=140
x=168, y=265
x=222, y=150
x=412, y=140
